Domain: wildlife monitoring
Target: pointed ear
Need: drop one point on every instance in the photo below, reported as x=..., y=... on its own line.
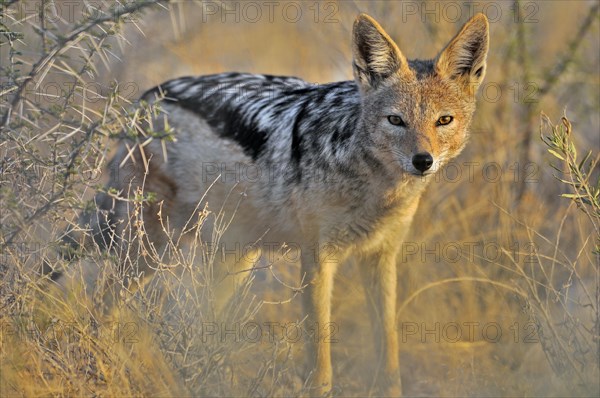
x=376, y=56
x=464, y=58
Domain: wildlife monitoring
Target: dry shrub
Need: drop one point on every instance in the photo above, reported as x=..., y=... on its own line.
x=486, y=253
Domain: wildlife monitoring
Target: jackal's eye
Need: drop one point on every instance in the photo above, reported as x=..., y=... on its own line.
x=396, y=120
x=444, y=120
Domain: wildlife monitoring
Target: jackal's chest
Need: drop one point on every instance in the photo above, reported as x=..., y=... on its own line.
x=368, y=228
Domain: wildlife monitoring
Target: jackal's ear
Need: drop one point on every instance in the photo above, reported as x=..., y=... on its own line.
x=464, y=58
x=376, y=56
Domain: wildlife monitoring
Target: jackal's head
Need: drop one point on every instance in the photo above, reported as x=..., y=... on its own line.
x=417, y=113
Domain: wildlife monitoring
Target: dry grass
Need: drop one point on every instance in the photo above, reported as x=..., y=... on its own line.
x=487, y=253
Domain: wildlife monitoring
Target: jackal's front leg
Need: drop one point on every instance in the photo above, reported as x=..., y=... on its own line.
x=379, y=279
x=318, y=270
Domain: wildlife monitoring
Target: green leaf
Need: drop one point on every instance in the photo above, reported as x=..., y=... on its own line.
x=573, y=150
x=582, y=163
x=556, y=154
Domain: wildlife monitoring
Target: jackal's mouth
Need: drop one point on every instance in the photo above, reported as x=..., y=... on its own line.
x=422, y=174
x=408, y=170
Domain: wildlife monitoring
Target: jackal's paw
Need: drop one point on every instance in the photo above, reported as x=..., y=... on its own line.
x=320, y=389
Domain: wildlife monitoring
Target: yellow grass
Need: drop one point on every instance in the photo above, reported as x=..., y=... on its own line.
x=499, y=280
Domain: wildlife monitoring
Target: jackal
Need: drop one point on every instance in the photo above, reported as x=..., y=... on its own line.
x=337, y=169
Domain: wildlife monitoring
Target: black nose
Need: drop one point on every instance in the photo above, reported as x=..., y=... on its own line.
x=422, y=161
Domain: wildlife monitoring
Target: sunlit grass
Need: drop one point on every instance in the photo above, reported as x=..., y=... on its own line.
x=482, y=256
